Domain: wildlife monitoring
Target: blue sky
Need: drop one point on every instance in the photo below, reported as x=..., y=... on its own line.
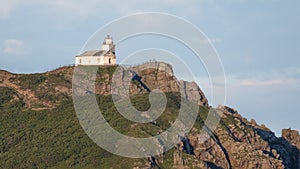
x=257, y=41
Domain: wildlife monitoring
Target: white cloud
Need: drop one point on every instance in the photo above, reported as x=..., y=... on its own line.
x=255, y=82
x=13, y=46
x=285, y=76
x=292, y=71
x=272, y=82
x=7, y=7
x=288, y=78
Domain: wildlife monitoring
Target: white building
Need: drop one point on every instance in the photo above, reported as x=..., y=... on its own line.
x=105, y=56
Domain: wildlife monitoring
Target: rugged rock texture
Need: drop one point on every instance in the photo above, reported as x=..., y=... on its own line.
x=292, y=136
x=58, y=83
x=138, y=79
x=160, y=76
x=238, y=143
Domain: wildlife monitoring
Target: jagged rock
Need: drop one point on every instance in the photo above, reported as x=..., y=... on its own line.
x=155, y=75
x=151, y=76
x=192, y=92
x=244, y=144
x=151, y=163
x=292, y=136
x=159, y=75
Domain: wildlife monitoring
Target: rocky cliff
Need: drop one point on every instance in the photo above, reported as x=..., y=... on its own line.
x=239, y=143
x=236, y=142
x=45, y=90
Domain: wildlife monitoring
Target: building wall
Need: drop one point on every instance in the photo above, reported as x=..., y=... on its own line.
x=109, y=60
x=89, y=60
x=95, y=60
x=107, y=47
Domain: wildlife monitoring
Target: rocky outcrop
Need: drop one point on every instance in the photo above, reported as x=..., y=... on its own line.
x=43, y=94
x=239, y=143
x=292, y=136
x=140, y=79
x=159, y=75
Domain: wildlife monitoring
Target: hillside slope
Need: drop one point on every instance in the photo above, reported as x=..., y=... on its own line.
x=39, y=127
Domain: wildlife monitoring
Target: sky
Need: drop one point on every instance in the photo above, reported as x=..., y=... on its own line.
x=258, y=42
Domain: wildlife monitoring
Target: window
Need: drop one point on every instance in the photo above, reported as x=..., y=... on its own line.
x=109, y=60
x=79, y=60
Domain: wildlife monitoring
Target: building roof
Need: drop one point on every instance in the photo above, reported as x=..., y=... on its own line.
x=93, y=53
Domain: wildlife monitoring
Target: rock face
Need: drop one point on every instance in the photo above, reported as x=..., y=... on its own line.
x=142, y=79
x=159, y=75
x=238, y=143
x=42, y=94
x=292, y=136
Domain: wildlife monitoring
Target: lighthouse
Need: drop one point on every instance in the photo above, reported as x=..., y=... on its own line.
x=105, y=56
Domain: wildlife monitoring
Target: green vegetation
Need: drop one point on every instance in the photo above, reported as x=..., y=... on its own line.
x=48, y=139
x=31, y=81
x=6, y=95
x=55, y=139
x=59, y=79
x=6, y=100
x=107, y=70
